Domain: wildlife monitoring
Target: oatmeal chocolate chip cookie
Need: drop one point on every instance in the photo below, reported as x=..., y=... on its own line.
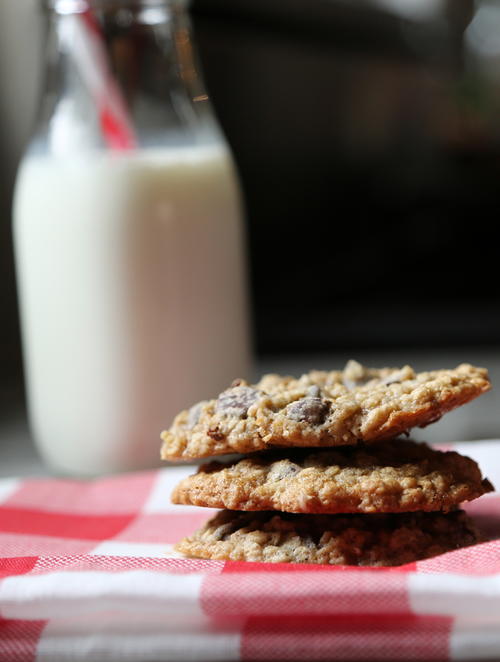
x=395, y=476
x=363, y=540
x=320, y=409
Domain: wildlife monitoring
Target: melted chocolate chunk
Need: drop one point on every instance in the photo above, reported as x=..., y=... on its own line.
x=310, y=410
x=215, y=434
x=236, y=401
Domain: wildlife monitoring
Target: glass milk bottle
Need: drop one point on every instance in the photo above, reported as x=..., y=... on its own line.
x=128, y=239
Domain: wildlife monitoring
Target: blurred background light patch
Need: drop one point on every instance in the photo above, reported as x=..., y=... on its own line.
x=483, y=33
x=419, y=10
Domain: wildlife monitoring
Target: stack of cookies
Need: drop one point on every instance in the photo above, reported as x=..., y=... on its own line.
x=326, y=477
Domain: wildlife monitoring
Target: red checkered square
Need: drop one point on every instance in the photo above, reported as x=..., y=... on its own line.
x=19, y=640
x=476, y=560
x=124, y=494
x=90, y=563
x=356, y=637
x=163, y=527
x=62, y=525
x=12, y=544
x=347, y=593
x=17, y=565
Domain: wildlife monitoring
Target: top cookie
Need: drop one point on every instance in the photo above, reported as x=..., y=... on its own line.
x=320, y=409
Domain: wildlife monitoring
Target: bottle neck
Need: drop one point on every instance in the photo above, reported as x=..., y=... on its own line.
x=123, y=74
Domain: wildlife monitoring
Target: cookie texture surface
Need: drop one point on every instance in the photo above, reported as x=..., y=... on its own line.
x=320, y=409
x=391, y=476
x=362, y=540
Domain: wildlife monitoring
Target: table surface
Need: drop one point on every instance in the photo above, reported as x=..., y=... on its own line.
x=477, y=420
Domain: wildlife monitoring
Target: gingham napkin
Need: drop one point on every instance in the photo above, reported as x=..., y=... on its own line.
x=87, y=572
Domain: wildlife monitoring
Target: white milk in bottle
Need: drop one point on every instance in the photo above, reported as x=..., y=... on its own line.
x=132, y=294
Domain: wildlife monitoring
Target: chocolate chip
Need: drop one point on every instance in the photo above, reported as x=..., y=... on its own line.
x=310, y=410
x=215, y=434
x=236, y=401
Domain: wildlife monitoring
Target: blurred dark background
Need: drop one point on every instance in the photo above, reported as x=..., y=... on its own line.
x=367, y=136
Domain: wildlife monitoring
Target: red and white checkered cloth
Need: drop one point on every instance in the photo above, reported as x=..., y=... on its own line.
x=87, y=572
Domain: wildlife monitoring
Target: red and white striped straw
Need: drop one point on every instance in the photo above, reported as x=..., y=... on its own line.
x=91, y=58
